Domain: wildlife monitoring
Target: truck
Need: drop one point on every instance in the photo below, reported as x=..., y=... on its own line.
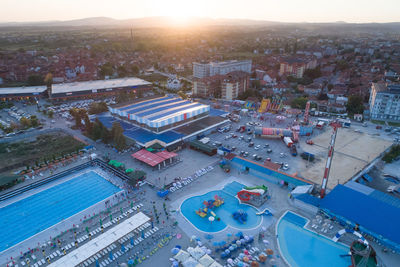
x=288, y=141
x=293, y=150
x=307, y=156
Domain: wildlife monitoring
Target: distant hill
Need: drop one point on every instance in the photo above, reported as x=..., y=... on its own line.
x=196, y=21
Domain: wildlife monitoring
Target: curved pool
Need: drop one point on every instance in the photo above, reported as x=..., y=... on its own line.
x=225, y=211
x=303, y=248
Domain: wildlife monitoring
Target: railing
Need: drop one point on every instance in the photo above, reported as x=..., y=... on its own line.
x=57, y=176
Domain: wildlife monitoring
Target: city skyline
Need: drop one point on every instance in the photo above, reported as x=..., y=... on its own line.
x=356, y=11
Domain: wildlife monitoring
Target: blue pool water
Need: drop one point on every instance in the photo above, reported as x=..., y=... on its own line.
x=25, y=218
x=303, y=248
x=225, y=211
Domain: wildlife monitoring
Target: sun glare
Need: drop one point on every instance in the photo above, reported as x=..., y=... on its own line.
x=180, y=11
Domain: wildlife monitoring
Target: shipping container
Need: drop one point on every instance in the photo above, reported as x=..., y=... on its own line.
x=288, y=141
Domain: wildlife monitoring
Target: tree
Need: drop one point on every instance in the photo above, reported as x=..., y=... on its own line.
x=50, y=113
x=34, y=121
x=35, y=80
x=26, y=123
x=106, y=70
x=117, y=135
x=299, y=102
x=135, y=70
x=96, y=108
x=48, y=80
x=355, y=104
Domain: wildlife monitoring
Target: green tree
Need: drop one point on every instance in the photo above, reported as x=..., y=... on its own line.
x=117, y=135
x=299, y=102
x=35, y=80
x=355, y=104
x=106, y=70
x=34, y=121
x=26, y=123
x=50, y=113
x=135, y=70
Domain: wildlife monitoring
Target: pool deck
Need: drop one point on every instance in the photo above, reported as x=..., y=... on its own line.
x=63, y=225
x=191, y=230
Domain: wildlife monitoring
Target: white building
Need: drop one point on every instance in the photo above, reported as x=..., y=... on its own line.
x=174, y=83
x=201, y=70
x=384, y=102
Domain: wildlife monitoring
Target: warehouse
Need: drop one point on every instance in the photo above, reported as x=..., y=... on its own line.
x=90, y=89
x=159, y=114
x=22, y=93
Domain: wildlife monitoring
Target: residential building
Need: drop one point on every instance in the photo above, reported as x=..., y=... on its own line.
x=384, y=102
x=234, y=84
x=202, y=70
x=297, y=66
x=227, y=86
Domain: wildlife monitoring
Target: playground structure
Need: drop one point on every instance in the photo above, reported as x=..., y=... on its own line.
x=225, y=166
x=255, y=196
x=273, y=106
x=240, y=216
x=209, y=205
x=264, y=212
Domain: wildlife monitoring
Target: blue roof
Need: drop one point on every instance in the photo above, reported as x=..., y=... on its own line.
x=309, y=199
x=144, y=103
x=138, y=134
x=217, y=112
x=143, y=136
x=377, y=212
x=166, y=113
x=282, y=176
x=162, y=107
x=146, y=108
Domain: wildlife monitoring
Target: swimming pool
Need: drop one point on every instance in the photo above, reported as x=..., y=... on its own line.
x=31, y=215
x=303, y=248
x=225, y=211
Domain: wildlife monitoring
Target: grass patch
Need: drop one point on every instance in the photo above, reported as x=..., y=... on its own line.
x=46, y=147
x=392, y=154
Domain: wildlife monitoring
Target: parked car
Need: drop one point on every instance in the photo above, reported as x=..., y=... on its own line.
x=257, y=147
x=251, y=144
x=269, y=150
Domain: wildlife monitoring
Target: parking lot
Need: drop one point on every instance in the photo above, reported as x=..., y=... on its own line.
x=258, y=149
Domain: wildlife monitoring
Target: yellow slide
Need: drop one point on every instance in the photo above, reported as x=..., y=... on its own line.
x=264, y=105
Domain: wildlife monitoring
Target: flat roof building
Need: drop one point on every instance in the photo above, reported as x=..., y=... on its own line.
x=201, y=70
x=24, y=92
x=384, y=102
x=97, y=87
x=161, y=113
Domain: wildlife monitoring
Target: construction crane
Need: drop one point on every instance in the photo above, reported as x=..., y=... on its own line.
x=335, y=125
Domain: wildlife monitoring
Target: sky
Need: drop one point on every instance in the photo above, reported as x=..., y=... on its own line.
x=359, y=11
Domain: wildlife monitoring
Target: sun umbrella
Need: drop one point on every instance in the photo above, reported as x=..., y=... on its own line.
x=245, y=259
x=230, y=261
x=270, y=251
x=262, y=257
x=227, y=251
x=208, y=236
x=216, y=244
x=110, y=255
x=175, y=264
x=193, y=238
x=238, y=243
x=272, y=262
x=239, y=234
x=211, y=218
x=231, y=248
x=123, y=248
x=175, y=251
x=132, y=242
x=131, y=262
x=97, y=263
x=254, y=264
x=240, y=264
x=266, y=242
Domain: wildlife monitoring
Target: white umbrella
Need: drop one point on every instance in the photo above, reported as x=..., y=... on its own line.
x=211, y=218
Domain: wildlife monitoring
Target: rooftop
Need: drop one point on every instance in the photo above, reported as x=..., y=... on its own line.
x=98, y=85
x=22, y=90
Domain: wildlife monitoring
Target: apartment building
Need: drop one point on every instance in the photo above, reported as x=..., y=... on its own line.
x=202, y=70
x=297, y=66
x=384, y=102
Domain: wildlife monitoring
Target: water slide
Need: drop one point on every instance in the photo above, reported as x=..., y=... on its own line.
x=264, y=212
x=264, y=105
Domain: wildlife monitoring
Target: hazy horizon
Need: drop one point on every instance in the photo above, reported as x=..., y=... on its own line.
x=312, y=11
